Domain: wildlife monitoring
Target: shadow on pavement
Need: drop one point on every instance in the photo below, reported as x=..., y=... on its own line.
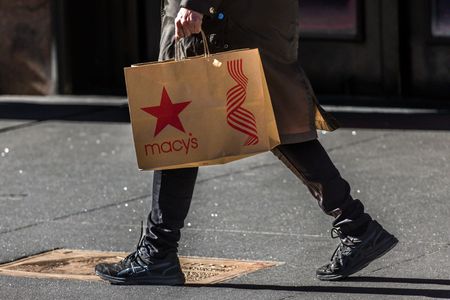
x=399, y=280
x=64, y=112
x=119, y=114
x=436, y=293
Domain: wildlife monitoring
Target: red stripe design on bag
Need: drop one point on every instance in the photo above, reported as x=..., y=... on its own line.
x=238, y=117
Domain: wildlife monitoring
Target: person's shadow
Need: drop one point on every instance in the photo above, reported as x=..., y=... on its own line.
x=433, y=293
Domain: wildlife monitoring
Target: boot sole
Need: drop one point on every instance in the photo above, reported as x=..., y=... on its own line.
x=387, y=246
x=155, y=280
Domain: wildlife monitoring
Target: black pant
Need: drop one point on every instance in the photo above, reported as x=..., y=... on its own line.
x=173, y=189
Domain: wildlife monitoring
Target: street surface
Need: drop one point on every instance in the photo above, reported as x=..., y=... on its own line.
x=68, y=179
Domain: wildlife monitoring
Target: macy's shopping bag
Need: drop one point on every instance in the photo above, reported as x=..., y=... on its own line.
x=200, y=111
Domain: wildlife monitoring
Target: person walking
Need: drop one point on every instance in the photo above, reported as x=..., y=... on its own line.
x=272, y=27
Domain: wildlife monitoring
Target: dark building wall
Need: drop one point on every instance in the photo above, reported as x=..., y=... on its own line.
x=25, y=47
x=392, y=48
x=339, y=63
x=97, y=39
x=429, y=48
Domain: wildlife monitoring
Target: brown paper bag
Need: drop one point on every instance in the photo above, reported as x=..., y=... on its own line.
x=200, y=111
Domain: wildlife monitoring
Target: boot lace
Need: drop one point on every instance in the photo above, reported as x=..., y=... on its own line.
x=343, y=250
x=136, y=256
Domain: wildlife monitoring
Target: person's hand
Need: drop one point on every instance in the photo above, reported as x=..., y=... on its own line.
x=187, y=22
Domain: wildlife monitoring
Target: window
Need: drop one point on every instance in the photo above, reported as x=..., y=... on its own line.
x=440, y=18
x=333, y=19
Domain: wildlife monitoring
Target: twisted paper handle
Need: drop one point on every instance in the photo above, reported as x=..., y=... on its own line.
x=180, y=52
x=238, y=117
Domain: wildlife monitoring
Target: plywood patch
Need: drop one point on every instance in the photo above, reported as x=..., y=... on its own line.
x=79, y=265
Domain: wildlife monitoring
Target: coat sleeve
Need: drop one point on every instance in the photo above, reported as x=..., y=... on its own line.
x=206, y=7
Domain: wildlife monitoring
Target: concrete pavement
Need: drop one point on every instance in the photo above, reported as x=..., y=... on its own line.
x=69, y=180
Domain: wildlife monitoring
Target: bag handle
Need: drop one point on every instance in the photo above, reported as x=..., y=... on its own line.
x=180, y=54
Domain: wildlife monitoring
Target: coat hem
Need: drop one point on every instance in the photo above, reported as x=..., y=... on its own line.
x=298, y=137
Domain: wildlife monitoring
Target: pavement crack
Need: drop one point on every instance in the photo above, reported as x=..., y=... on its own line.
x=86, y=211
x=12, y=196
x=22, y=227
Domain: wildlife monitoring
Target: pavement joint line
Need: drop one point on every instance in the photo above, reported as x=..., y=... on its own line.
x=360, y=142
x=75, y=214
x=100, y=207
x=186, y=229
x=22, y=227
x=257, y=232
x=211, y=230
x=135, y=226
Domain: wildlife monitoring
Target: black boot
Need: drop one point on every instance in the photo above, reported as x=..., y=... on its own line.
x=140, y=267
x=356, y=253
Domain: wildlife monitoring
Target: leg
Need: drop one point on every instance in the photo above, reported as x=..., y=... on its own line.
x=172, y=194
x=362, y=239
x=311, y=163
x=155, y=260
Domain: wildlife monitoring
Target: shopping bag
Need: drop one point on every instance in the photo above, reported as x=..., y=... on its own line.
x=200, y=111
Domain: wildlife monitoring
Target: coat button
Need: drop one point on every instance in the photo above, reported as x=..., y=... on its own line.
x=212, y=10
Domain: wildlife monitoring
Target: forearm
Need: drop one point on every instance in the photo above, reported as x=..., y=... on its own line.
x=206, y=7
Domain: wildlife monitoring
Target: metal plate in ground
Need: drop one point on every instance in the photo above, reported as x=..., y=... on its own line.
x=79, y=265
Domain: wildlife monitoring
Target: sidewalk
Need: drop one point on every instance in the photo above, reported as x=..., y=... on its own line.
x=69, y=180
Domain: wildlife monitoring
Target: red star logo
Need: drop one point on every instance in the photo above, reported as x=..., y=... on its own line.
x=167, y=113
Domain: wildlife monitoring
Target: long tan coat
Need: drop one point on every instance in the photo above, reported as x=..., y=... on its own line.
x=271, y=26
